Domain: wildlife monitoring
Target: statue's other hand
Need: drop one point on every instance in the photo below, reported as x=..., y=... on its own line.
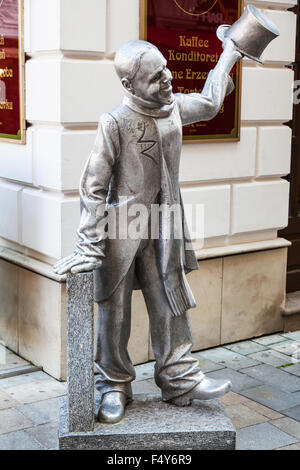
x=229, y=47
x=76, y=263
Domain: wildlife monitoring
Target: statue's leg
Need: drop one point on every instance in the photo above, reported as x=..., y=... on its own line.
x=176, y=371
x=112, y=360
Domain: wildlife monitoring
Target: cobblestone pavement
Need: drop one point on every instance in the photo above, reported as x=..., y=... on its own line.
x=264, y=404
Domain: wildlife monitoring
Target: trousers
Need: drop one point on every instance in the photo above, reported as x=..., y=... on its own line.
x=176, y=371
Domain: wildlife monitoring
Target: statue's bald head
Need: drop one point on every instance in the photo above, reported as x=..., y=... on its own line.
x=143, y=72
x=128, y=58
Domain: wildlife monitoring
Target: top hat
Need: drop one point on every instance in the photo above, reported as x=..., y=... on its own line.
x=251, y=33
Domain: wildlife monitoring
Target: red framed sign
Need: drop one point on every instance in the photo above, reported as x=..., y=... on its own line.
x=185, y=33
x=12, y=109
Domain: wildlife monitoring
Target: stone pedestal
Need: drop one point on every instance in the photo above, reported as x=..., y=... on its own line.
x=152, y=424
x=80, y=346
x=149, y=423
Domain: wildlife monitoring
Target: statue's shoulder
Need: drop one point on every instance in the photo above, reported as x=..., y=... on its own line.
x=120, y=112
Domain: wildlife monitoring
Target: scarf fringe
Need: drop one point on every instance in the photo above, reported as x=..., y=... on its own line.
x=181, y=299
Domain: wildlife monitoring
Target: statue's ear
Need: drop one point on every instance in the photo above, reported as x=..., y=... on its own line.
x=127, y=84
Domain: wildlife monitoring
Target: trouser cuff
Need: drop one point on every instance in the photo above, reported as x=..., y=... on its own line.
x=104, y=387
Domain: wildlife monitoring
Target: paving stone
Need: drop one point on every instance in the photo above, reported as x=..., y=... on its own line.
x=242, y=416
x=294, y=369
x=276, y=377
x=228, y=358
x=262, y=436
x=271, y=357
x=270, y=339
x=245, y=347
x=6, y=401
x=41, y=412
x=13, y=420
x=273, y=398
x=293, y=412
x=145, y=371
x=288, y=347
x=261, y=409
x=27, y=369
x=239, y=381
x=46, y=434
x=232, y=398
x=207, y=366
x=37, y=391
x=291, y=447
x=9, y=360
x=295, y=335
x=19, y=440
x=25, y=379
x=288, y=425
x=145, y=387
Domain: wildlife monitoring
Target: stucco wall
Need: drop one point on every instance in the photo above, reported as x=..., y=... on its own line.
x=70, y=81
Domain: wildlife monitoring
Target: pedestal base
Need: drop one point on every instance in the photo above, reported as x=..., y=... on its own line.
x=152, y=424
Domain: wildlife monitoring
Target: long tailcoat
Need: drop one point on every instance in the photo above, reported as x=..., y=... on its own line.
x=130, y=164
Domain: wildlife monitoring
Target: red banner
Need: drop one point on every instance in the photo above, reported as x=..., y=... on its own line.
x=11, y=84
x=185, y=33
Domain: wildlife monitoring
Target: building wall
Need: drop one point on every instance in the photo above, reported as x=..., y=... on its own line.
x=70, y=81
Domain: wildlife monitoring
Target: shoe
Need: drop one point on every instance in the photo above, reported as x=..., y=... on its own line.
x=207, y=389
x=112, y=407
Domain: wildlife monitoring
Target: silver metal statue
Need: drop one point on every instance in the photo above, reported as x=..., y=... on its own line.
x=135, y=160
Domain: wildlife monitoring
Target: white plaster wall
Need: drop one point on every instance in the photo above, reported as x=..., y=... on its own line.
x=70, y=81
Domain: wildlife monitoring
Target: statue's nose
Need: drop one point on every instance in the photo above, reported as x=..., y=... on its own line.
x=166, y=77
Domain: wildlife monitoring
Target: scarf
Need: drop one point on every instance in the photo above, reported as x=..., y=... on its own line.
x=177, y=290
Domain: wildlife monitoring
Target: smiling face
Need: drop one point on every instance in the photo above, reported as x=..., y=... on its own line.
x=152, y=81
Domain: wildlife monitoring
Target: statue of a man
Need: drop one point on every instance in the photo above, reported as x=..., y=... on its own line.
x=135, y=160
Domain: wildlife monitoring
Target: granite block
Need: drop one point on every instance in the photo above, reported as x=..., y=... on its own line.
x=80, y=351
x=152, y=424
